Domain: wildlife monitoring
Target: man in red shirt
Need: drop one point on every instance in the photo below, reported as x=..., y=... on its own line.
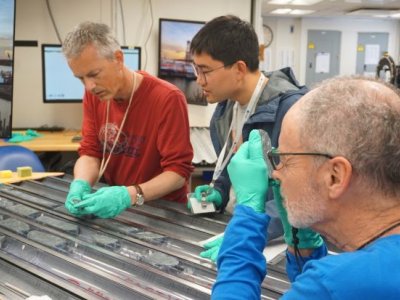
x=135, y=129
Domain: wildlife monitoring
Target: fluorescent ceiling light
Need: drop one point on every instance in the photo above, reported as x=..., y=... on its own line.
x=281, y=11
x=305, y=2
x=286, y=11
x=279, y=2
x=294, y=2
x=301, y=12
x=372, y=12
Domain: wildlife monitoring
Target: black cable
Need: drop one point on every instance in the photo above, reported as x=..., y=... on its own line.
x=297, y=253
x=53, y=22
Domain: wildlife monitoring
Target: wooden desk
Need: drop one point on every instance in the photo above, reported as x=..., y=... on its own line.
x=51, y=141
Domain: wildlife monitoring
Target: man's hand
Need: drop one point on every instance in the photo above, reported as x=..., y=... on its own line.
x=107, y=202
x=249, y=174
x=308, y=239
x=77, y=190
x=211, y=195
x=212, y=249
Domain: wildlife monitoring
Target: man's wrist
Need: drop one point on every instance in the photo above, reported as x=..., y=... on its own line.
x=137, y=195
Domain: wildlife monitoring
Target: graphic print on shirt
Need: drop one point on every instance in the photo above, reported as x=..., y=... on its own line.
x=126, y=145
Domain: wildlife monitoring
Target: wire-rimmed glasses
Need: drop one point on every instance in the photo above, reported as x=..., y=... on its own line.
x=274, y=157
x=202, y=74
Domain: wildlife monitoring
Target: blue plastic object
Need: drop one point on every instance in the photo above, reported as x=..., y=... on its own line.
x=14, y=156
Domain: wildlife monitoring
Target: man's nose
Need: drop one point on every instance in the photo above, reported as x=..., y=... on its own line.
x=89, y=84
x=201, y=80
x=275, y=175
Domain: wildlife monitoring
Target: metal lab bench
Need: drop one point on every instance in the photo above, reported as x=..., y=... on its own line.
x=147, y=252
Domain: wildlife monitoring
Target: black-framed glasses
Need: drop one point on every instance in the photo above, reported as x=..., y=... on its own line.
x=200, y=73
x=275, y=160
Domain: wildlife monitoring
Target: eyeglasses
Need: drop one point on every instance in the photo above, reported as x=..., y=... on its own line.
x=274, y=157
x=199, y=72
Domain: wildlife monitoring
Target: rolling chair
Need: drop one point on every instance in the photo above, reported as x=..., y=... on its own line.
x=13, y=156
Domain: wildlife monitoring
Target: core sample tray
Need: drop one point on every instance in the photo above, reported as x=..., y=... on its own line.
x=147, y=252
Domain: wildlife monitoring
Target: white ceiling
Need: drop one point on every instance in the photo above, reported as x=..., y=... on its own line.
x=329, y=8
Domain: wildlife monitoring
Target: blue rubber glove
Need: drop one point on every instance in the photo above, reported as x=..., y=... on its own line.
x=212, y=249
x=77, y=190
x=249, y=173
x=107, y=202
x=308, y=239
x=212, y=195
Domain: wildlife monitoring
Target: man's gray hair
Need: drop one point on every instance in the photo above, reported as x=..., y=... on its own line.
x=90, y=33
x=358, y=118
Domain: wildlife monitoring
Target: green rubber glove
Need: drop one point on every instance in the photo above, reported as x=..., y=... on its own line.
x=18, y=137
x=107, y=202
x=77, y=190
x=212, y=196
x=34, y=133
x=212, y=249
x=249, y=174
x=307, y=238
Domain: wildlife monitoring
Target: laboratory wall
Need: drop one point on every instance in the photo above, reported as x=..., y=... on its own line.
x=289, y=46
x=140, y=28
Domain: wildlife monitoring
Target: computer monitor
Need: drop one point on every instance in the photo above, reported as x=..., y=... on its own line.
x=7, y=29
x=59, y=83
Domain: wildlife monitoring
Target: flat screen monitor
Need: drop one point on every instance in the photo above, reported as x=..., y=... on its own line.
x=175, y=60
x=59, y=83
x=7, y=30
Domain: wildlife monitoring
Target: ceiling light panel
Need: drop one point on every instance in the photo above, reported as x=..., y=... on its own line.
x=305, y=2
x=280, y=2
x=301, y=12
x=281, y=11
x=372, y=12
x=294, y=2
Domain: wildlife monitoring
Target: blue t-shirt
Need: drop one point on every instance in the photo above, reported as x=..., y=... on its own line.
x=370, y=273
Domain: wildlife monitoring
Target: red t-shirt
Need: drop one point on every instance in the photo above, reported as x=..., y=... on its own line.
x=154, y=139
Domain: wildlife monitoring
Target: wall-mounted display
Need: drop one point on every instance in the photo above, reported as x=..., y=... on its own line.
x=7, y=29
x=175, y=61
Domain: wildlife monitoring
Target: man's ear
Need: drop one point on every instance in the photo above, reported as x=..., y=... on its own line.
x=338, y=179
x=119, y=56
x=241, y=67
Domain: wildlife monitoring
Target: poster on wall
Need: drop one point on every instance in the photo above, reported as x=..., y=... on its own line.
x=372, y=54
x=7, y=16
x=322, y=63
x=175, y=60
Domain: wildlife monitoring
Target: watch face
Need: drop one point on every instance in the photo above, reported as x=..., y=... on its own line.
x=139, y=199
x=268, y=35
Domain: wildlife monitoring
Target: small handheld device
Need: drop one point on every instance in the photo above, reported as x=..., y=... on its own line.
x=200, y=207
x=266, y=145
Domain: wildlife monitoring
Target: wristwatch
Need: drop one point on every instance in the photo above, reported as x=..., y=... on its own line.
x=139, y=195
